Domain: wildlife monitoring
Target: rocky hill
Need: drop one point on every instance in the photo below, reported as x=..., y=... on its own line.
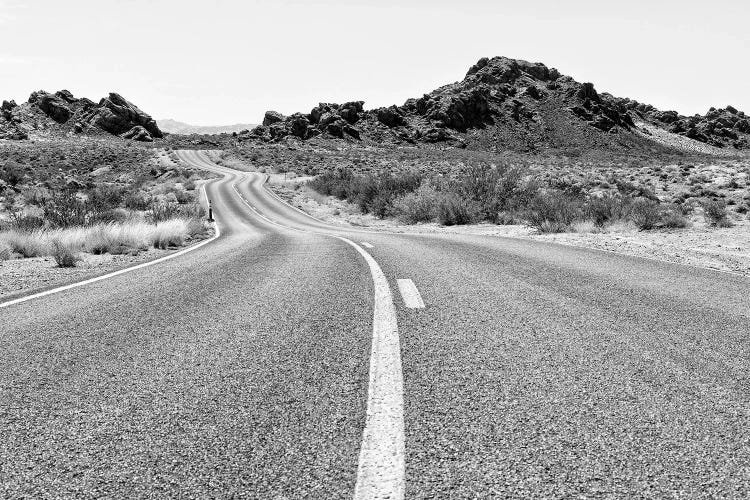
x=61, y=113
x=170, y=126
x=512, y=104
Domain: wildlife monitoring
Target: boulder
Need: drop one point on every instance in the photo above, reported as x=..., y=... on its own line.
x=272, y=117
x=587, y=91
x=390, y=117
x=118, y=116
x=66, y=96
x=298, y=125
x=54, y=107
x=138, y=133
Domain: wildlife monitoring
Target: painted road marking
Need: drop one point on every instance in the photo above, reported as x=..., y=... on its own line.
x=367, y=245
x=217, y=233
x=381, y=472
x=410, y=294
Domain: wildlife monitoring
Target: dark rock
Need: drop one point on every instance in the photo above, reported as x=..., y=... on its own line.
x=272, y=117
x=118, y=116
x=138, y=133
x=666, y=116
x=352, y=131
x=66, y=96
x=390, y=117
x=54, y=107
x=77, y=127
x=587, y=91
x=298, y=125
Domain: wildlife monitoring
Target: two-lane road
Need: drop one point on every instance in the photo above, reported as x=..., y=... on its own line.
x=243, y=370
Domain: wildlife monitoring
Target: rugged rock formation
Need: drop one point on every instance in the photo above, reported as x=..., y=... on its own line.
x=506, y=104
x=718, y=127
x=61, y=113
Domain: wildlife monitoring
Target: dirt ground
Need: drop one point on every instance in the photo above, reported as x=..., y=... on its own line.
x=21, y=276
x=725, y=249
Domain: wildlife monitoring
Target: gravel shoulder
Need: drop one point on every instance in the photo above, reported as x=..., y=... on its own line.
x=724, y=249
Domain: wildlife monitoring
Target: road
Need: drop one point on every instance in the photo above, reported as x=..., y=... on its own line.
x=244, y=369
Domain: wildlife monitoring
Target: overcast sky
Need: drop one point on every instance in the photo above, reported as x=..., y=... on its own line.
x=218, y=62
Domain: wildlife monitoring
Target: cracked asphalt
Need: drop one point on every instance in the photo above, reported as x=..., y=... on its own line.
x=240, y=370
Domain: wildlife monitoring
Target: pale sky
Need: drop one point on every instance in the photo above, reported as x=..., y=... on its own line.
x=227, y=61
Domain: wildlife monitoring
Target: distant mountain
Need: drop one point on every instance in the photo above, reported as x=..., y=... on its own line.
x=60, y=114
x=508, y=104
x=175, y=127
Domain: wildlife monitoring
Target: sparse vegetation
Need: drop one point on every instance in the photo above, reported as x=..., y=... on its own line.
x=715, y=212
x=60, y=199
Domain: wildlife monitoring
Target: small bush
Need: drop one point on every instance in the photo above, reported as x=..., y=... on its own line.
x=553, y=212
x=453, y=210
x=66, y=209
x=137, y=201
x=26, y=222
x=64, y=254
x=673, y=219
x=104, y=198
x=605, y=209
x=419, y=206
x=645, y=213
x=715, y=212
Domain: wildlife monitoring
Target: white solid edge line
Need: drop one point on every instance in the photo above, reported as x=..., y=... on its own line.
x=381, y=473
x=410, y=294
x=217, y=233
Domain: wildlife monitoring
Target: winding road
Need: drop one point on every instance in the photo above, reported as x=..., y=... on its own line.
x=293, y=359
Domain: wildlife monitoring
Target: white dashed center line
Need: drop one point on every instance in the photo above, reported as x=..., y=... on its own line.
x=410, y=294
x=366, y=245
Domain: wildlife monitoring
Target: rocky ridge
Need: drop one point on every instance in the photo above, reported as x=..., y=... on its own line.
x=505, y=103
x=62, y=113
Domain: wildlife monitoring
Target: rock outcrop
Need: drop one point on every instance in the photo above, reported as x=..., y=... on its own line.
x=506, y=104
x=61, y=113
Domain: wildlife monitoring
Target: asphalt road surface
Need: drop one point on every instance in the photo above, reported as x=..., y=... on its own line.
x=292, y=359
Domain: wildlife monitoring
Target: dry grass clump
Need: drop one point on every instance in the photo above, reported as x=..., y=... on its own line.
x=64, y=255
x=129, y=237
x=5, y=251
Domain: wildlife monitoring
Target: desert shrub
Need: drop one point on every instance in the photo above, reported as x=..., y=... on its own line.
x=65, y=209
x=335, y=183
x=715, y=212
x=5, y=251
x=12, y=173
x=645, y=213
x=607, y=208
x=108, y=216
x=419, y=206
x=372, y=194
x=673, y=218
x=553, y=212
x=137, y=201
x=453, y=210
x=492, y=188
x=64, y=254
x=104, y=198
x=160, y=211
x=191, y=211
x=25, y=222
x=632, y=190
